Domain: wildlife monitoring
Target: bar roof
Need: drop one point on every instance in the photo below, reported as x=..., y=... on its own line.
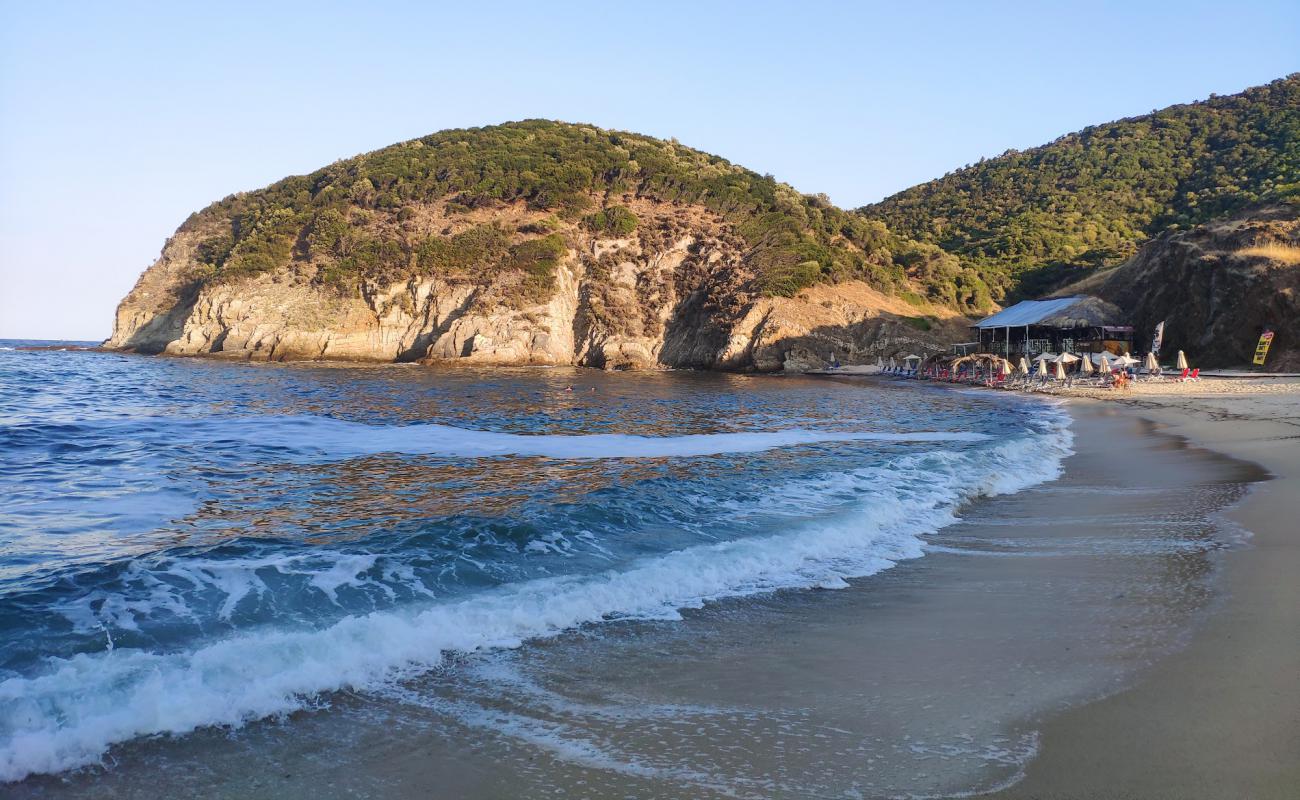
x=1028, y=312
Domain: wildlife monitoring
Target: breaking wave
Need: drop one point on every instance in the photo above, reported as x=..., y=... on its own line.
x=838, y=526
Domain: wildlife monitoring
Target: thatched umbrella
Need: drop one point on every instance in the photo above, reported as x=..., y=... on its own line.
x=935, y=362
x=983, y=361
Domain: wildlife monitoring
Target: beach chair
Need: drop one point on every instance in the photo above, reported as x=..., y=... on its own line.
x=1182, y=377
x=1194, y=375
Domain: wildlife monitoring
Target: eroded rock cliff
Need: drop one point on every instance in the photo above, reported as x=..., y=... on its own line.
x=674, y=293
x=1217, y=287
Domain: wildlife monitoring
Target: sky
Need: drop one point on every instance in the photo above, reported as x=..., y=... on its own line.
x=117, y=120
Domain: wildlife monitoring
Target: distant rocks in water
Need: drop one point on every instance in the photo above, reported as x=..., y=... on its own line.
x=59, y=347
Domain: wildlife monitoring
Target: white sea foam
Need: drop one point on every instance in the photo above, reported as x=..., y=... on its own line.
x=335, y=438
x=78, y=707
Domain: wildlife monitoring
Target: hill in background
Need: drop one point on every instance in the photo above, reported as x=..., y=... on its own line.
x=540, y=242
x=1030, y=221
x=352, y=218
x=556, y=243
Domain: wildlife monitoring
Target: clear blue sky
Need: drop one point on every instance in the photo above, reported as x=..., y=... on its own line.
x=119, y=119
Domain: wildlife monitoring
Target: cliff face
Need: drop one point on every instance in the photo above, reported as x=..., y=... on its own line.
x=1218, y=286
x=673, y=293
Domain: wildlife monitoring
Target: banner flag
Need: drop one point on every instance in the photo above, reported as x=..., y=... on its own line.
x=1159, y=338
x=1261, y=349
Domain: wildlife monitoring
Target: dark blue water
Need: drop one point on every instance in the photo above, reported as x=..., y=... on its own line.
x=186, y=543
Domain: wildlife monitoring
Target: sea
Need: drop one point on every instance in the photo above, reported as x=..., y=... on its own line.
x=202, y=551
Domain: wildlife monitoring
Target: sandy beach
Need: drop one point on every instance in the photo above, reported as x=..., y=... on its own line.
x=1221, y=718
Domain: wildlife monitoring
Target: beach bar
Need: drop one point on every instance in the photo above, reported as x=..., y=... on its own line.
x=1076, y=324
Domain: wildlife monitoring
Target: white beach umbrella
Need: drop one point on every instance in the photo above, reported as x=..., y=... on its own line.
x=892, y=363
x=1126, y=360
x=1004, y=368
x=1151, y=364
x=1103, y=364
x=1066, y=358
x=1085, y=366
x=880, y=363
x=1023, y=368
x=1060, y=371
x=1182, y=360
x=911, y=357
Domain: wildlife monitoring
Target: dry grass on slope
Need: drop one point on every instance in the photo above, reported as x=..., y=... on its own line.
x=1286, y=254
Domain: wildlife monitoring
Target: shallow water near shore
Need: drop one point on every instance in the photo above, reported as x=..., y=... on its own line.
x=239, y=580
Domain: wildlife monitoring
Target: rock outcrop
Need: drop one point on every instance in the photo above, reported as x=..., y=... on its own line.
x=676, y=293
x=1217, y=287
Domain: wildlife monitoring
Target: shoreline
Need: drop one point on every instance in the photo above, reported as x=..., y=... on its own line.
x=1220, y=375
x=1221, y=717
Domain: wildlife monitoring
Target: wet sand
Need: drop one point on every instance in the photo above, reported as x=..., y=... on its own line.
x=945, y=675
x=1220, y=718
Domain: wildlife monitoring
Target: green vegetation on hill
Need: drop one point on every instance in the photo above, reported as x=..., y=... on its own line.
x=1029, y=221
x=353, y=215
x=615, y=220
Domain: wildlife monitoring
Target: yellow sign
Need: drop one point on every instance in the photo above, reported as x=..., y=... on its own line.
x=1261, y=349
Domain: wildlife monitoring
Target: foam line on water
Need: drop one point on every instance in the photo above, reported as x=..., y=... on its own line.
x=71, y=713
x=329, y=438
x=341, y=438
